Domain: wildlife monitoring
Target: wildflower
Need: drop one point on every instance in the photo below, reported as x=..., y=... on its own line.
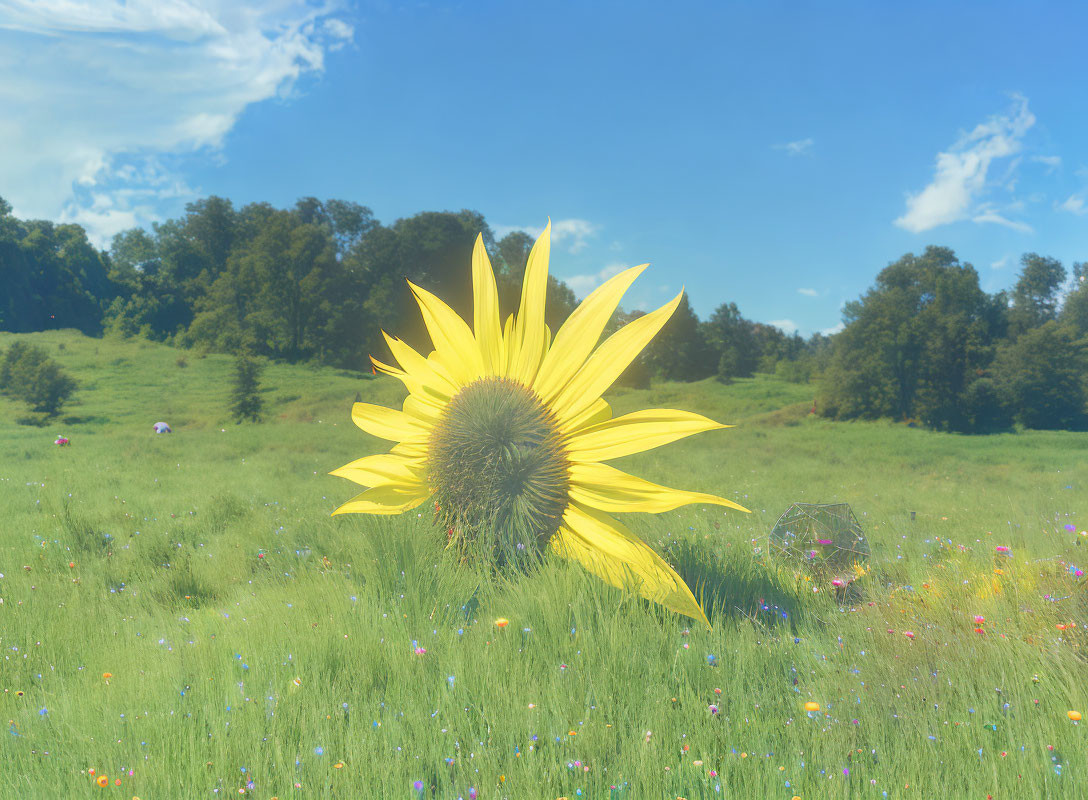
x=502, y=622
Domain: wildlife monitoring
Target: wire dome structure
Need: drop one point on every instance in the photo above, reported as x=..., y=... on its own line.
x=823, y=537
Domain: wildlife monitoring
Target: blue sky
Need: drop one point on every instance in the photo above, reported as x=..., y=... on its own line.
x=776, y=155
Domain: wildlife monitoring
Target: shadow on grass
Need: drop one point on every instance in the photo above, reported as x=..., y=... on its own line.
x=85, y=420
x=732, y=588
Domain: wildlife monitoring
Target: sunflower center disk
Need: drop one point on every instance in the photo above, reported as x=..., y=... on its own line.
x=498, y=469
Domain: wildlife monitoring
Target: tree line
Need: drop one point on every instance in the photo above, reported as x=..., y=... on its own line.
x=926, y=343
x=318, y=282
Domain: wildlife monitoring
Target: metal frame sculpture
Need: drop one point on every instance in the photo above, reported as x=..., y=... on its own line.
x=823, y=537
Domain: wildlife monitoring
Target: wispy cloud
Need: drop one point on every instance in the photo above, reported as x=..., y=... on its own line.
x=1075, y=204
x=1052, y=162
x=788, y=325
x=989, y=214
x=961, y=174
x=808, y=292
x=1001, y=263
x=800, y=147
x=582, y=285
x=833, y=329
x=573, y=232
x=103, y=99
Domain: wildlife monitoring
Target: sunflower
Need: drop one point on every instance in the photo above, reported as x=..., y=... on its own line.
x=506, y=430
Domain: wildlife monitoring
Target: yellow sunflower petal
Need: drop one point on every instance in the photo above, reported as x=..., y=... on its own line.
x=609, y=489
x=529, y=324
x=387, y=369
x=387, y=499
x=486, y=323
x=611, y=552
x=579, y=334
x=453, y=340
x=388, y=423
x=610, y=360
x=508, y=348
x=635, y=432
x=381, y=469
x=423, y=408
x=410, y=450
x=596, y=413
x=414, y=385
x=430, y=375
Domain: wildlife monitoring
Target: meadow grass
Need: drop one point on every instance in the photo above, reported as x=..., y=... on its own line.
x=249, y=636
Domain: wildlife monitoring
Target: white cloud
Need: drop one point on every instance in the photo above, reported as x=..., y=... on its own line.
x=582, y=285
x=833, y=329
x=1075, y=204
x=961, y=173
x=788, y=325
x=1052, y=162
x=1001, y=263
x=574, y=231
x=338, y=29
x=104, y=98
x=800, y=147
x=808, y=292
x=988, y=214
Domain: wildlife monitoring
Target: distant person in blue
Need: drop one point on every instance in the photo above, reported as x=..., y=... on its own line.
x=162, y=427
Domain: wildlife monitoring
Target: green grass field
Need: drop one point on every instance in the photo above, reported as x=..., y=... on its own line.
x=258, y=646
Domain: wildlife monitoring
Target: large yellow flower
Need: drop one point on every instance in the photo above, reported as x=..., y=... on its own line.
x=507, y=430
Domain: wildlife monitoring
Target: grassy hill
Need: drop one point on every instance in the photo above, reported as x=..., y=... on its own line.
x=244, y=628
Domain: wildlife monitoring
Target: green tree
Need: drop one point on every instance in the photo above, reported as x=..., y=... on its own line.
x=1035, y=296
x=346, y=221
x=1043, y=371
x=29, y=374
x=50, y=277
x=1075, y=308
x=49, y=389
x=13, y=380
x=732, y=339
x=913, y=344
x=514, y=249
x=986, y=406
x=680, y=351
x=275, y=295
x=246, y=400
